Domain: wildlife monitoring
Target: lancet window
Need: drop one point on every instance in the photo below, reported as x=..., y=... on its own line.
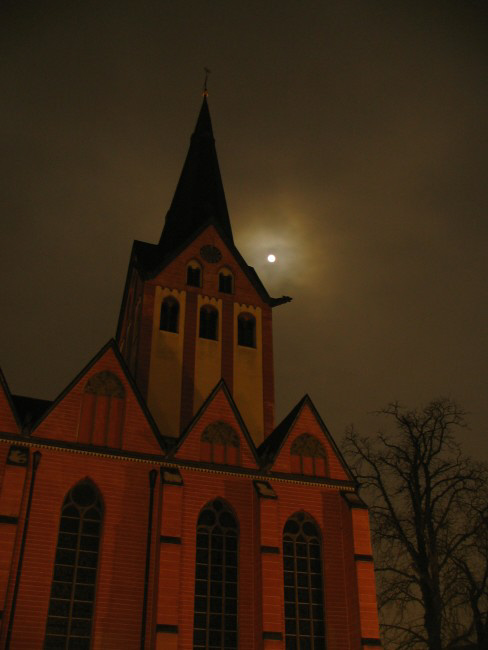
x=303, y=584
x=215, y=611
x=170, y=309
x=209, y=323
x=246, y=330
x=194, y=274
x=71, y=605
x=226, y=281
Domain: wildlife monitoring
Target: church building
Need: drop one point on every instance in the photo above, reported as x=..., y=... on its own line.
x=155, y=504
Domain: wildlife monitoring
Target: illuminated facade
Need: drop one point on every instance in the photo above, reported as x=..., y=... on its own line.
x=154, y=504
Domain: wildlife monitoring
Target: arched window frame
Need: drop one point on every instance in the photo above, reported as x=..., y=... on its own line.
x=194, y=274
x=246, y=329
x=169, y=316
x=73, y=586
x=216, y=578
x=209, y=323
x=220, y=444
x=308, y=456
x=303, y=584
x=102, y=410
x=226, y=280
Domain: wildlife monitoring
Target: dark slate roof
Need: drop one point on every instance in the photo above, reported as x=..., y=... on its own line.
x=30, y=409
x=199, y=201
x=199, y=195
x=268, y=449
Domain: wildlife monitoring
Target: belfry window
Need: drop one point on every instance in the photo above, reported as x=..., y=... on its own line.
x=71, y=606
x=194, y=274
x=225, y=281
x=220, y=444
x=308, y=456
x=170, y=309
x=209, y=323
x=215, y=611
x=303, y=585
x=246, y=330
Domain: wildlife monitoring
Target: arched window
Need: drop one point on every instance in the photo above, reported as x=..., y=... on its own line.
x=215, y=611
x=69, y=621
x=194, y=274
x=170, y=309
x=308, y=456
x=220, y=444
x=225, y=281
x=246, y=330
x=102, y=410
x=209, y=323
x=302, y=570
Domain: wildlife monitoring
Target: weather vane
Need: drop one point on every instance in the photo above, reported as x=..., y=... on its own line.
x=205, y=89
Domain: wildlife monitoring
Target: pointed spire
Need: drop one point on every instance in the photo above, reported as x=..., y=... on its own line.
x=199, y=195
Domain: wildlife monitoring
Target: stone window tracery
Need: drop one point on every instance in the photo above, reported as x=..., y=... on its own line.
x=308, y=456
x=303, y=584
x=220, y=444
x=216, y=573
x=102, y=410
x=71, y=605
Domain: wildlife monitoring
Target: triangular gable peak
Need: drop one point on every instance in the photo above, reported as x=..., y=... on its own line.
x=210, y=250
x=8, y=421
x=102, y=407
x=217, y=434
x=308, y=448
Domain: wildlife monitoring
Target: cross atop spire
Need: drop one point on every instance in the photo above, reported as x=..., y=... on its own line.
x=205, y=89
x=199, y=195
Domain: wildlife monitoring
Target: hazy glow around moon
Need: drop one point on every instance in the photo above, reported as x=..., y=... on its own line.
x=271, y=258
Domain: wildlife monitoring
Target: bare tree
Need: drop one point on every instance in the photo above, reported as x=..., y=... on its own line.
x=421, y=490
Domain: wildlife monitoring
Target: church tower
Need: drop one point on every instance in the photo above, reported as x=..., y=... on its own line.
x=193, y=311
x=154, y=504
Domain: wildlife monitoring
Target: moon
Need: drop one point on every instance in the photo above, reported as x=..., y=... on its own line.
x=271, y=258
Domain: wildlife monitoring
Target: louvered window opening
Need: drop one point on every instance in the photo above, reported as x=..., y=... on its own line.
x=209, y=323
x=69, y=622
x=246, y=330
x=225, y=283
x=193, y=276
x=215, y=611
x=170, y=309
x=304, y=606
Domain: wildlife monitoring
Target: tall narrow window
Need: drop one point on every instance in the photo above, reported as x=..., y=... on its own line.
x=209, y=323
x=246, y=330
x=194, y=274
x=215, y=611
x=302, y=569
x=69, y=622
x=170, y=309
x=225, y=281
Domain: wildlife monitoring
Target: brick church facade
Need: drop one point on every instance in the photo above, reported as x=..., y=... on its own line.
x=155, y=504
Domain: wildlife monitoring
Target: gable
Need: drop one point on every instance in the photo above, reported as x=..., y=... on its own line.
x=101, y=408
x=307, y=435
x=8, y=420
x=217, y=422
x=173, y=275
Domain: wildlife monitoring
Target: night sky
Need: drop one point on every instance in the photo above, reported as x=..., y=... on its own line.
x=352, y=139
